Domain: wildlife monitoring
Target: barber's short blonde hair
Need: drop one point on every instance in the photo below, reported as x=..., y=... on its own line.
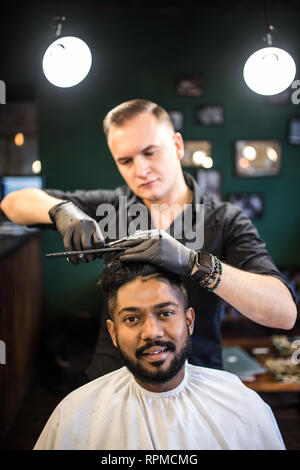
x=129, y=109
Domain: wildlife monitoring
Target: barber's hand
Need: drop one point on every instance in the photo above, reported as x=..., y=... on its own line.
x=77, y=229
x=159, y=248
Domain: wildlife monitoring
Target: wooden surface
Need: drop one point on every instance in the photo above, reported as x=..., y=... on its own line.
x=263, y=383
x=20, y=308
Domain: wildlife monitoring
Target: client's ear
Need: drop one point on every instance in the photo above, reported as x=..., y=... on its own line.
x=112, y=331
x=190, y=318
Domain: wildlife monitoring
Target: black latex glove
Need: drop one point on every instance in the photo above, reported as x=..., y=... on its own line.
x=159, y=248
x=77, y=229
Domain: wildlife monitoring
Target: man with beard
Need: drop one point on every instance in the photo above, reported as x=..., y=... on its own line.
x=158, y=400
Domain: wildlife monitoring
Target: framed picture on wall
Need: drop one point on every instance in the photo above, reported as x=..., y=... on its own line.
x=294, y=131
x=257, y=158
x=210, y=115
x=189, y=85
x=197, y=153
x=177, y=119
x=252, y=204
x=210, y=182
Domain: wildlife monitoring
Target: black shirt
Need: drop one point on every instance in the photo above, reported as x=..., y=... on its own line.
x=228, y=234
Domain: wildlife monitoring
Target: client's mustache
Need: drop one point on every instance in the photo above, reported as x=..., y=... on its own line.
x=168, y=344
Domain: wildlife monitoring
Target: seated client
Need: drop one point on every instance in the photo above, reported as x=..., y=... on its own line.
x=157, y=400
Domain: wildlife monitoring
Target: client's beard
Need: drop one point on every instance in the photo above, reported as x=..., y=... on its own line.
x=159, y=376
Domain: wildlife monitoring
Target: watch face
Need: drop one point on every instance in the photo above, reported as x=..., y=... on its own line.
x=204, y=259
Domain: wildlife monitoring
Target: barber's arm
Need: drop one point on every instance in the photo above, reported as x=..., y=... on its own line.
x=262, y=298
x=33, y=206
x=28, y=206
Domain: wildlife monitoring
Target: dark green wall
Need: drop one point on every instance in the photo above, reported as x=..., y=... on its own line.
x=139, y=55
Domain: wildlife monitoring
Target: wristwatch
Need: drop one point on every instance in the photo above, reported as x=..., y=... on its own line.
x=204, y=265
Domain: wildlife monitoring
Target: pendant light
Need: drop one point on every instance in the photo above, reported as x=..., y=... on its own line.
x=269, y=70
x=68, y=60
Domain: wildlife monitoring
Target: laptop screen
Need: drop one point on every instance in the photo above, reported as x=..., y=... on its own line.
x=14, y=183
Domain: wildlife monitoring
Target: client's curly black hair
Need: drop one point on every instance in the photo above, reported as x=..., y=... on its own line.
x=117, y=273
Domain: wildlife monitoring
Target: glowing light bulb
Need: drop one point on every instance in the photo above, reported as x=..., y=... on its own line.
x=249, y=152
x=269, y=71
x=272, y=154
x=243, y=162
x=19, y=139
x=208, y=162
x=67, y=61
x=199, y=157
x=36, y=166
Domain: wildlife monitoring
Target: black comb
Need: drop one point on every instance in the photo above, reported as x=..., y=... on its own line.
x=83, y=252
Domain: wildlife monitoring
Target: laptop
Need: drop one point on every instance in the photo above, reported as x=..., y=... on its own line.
x=237, y=361
x=12, y=183
x=15, y=182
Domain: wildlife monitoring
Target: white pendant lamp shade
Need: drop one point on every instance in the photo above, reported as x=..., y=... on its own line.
x=269, y=71
x=67, y=61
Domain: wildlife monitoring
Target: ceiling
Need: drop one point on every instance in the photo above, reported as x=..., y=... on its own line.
x=219, y=7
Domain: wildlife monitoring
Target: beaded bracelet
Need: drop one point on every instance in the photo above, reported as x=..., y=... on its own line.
x=211, y=289
x=212, y=275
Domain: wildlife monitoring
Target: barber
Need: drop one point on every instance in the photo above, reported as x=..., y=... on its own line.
x=147, y=152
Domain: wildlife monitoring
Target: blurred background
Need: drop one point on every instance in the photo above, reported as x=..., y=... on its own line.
x=185, y=56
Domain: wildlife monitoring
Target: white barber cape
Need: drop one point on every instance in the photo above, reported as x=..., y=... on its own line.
x=210, y=409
